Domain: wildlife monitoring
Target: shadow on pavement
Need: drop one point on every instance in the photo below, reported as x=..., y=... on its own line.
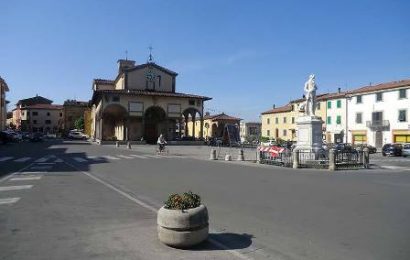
x=230, y=240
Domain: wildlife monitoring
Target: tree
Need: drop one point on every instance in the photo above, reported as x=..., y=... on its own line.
x=79, y=123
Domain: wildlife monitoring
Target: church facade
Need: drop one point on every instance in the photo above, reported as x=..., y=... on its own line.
x=141, y=103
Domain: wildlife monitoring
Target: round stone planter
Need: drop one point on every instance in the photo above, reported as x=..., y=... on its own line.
x=183, y=228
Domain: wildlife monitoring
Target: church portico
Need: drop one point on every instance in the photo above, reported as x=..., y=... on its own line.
x=127, y=110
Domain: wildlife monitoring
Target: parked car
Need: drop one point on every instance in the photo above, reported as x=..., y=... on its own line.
x=270, y=142
x=372, y=149
x=392, y=149
x=36, y=137
x=344, y=147
x=5, y=137
x=77, y=135
x=405, y=150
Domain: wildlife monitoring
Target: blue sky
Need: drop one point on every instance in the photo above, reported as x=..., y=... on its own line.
x=247, y=55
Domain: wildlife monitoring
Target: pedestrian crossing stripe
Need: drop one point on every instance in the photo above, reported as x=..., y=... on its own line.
x=6, y=158
x=28, y=178
x=6, y=201
x=109, y=157
x=138, y=156
x=10, y=188
x=124, y=156
x=24, y=159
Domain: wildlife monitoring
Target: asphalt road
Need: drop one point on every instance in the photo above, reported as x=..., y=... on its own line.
x=99, y=202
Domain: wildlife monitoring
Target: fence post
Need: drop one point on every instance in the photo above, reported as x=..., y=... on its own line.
x=212, y=156
x=240, y=155
x=366, y=158
x=228, y=157
x=332, y=161
x=360, y=151
x=295, y=155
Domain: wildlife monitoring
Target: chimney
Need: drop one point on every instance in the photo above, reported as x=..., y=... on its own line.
x=338, y=90
x=274, y=106
x=125, y=64
x=207, y=114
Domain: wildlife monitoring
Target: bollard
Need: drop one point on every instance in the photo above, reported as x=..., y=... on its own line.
x=366, y=156
x=128, y=145
x=241, y=157
x=117, y=144
x=228, y=157
x=212, y=156
x=332, y=162
x=295, y=155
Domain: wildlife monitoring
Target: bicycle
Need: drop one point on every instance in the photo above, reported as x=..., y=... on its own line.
x=163, y=151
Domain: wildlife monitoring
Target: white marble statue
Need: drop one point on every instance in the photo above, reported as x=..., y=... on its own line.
x=310, y=89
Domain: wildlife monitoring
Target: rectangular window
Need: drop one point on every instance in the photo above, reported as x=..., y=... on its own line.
x=329, y=104
x=191, y=102
x=35, y=122
x=268, y=121
x=48, y=122
x=276, y=120
x=403, y=115
x=48, y=113
x=329, y=120
x=135, y=106
x=35, y=113
x=359, y=119
x=61, y=114
x=402, y=93
x=377, y=116
x=358, y=99
x=268, y=132
x=115, y=99
x=318, y=106
x=338, y=120
x=339, y=103
x=284, y=120
x=285, y=132
x=379, y=96
x=293, y=120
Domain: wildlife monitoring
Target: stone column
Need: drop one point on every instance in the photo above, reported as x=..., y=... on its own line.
x=201, y=134
x=295, y=156
x=126, y=126
x=186, y=125
x=179, y=127
x=193, y=126
x=332, y=162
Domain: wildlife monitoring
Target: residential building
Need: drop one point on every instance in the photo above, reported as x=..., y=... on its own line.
x=379, y=114
x=336, y=117
x=38, y=114
x=142, y=102
x=3, y=103
x=213, y=125
x=250, y=130
x=72, y=111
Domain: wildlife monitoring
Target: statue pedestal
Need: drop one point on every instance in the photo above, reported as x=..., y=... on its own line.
x=309, y=131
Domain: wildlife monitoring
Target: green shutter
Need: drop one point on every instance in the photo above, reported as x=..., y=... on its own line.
x=329, y=120
x=329, y=104
x=339, y=104
x=338, y=120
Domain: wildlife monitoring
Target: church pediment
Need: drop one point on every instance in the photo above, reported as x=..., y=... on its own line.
x=150, y=76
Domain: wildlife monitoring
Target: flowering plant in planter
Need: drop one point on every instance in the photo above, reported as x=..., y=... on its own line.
x=183, y=220
x=187, y=200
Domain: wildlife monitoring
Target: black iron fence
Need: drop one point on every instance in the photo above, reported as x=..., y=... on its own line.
x=323, y=159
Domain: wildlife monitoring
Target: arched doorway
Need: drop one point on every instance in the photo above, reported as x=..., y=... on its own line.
x=114, y=116
x=155, y=124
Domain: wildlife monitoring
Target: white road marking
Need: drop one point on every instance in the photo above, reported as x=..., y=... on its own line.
x=58, y=161
x=30, y=172
x=124, y=156
x=6, y=158
x=138, y=156
x=93, y=157
x=392, y=167
x=21, y=187
x=28, y=178
x=41, y=167
x=46, y=163
x=152, y=156
x=24, y=159
x=79, y=159
x=15, y=173
x=109, y=157
x=8, y=201
x=42, y=159
x=155, y=210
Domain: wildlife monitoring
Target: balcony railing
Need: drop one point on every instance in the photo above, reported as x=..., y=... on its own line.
x=378, y=124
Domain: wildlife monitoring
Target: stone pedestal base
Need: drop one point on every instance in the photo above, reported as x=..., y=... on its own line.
x=309, y=131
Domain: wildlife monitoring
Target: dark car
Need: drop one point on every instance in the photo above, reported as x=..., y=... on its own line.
x=342, y=147
x=36, y=137
x=391, y=149
x=5, y=137
x=372, y=149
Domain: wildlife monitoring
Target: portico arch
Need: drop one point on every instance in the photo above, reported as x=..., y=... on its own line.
x=193, y=115
x=156, y=123
x=114, y=117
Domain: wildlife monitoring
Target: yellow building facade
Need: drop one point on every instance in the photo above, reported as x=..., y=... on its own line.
x=213, y=125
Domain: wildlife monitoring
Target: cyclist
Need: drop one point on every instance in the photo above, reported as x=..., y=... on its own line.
x=161, y=143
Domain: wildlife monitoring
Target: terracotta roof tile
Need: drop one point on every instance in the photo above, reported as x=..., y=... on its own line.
x=104, y=81
x=286, y=108
x=221, y=116
x=44, y=106
x=382, y=86
x=151, y=93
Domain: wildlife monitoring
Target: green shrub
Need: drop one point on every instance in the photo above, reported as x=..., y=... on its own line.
x=187, y=200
